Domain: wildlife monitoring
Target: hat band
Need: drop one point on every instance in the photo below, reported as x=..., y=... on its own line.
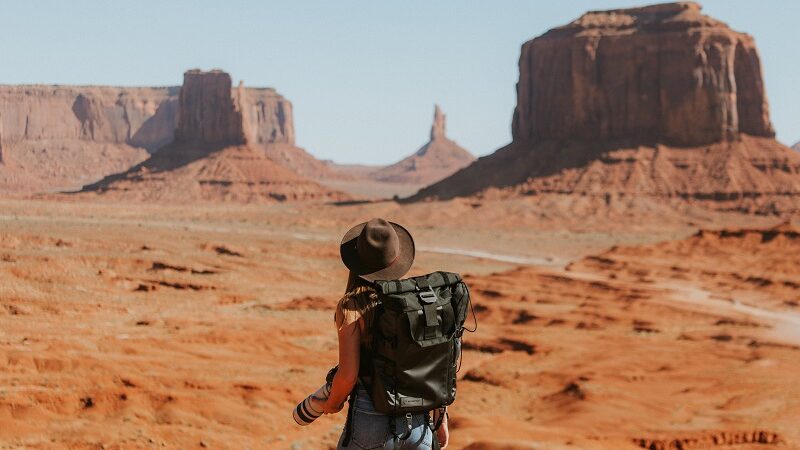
x=391, y=262
x=394, y=260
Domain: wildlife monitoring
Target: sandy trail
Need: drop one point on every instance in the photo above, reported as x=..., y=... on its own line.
x=481, y=254
x=785, y=324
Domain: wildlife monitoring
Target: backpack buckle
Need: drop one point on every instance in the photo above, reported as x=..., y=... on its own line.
x=427, y=297
x=424, y=290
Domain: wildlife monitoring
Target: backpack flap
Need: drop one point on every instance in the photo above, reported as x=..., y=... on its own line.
x=430, y=303
x=431, y=323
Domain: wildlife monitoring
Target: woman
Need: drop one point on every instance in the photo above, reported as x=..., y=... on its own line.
x=374, y=250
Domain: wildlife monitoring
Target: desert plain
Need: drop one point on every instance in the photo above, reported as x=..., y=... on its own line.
x=201, y=326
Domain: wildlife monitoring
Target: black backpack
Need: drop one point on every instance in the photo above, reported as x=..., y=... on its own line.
x=416, y=343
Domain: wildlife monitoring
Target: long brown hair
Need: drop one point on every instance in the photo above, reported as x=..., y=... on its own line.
x=359, y=301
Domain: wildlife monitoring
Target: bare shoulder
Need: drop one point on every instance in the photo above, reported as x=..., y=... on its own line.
x=347, y=312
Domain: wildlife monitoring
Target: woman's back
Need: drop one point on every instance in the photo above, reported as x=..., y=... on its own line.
x=374, y=250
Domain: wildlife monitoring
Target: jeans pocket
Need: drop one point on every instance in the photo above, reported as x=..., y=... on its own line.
x=370, y=429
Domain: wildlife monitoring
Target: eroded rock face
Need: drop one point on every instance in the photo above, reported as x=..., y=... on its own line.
x=223, y=151
x=268, y=117
x=212, y=113
x=59, y=137
x=62, y=137
x=207, y=111
x=117, y=115
x=663, y=73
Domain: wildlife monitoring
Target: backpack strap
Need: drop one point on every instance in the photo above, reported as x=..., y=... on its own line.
x=397, y=438
x=422, y=283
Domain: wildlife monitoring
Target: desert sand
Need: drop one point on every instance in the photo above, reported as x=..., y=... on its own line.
x=202, y=326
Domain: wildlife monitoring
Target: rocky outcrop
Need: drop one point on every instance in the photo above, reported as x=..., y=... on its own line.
x=664, y=73
x=439, y=127
x=796, y=146
x=212, y=113
x=141, y=117
x=659, y=101
x=267, y=116
x=221, y=151
x=437, y=159
x=62, y=137
x=207, y=111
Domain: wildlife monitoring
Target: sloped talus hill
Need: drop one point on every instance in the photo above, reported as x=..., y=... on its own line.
x=189, y=172
x=213, y=157
x=659, y=101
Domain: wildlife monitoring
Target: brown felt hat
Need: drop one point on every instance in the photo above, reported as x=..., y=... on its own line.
x=378, y=250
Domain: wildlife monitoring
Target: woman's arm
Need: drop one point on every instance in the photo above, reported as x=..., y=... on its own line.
x=346, y=376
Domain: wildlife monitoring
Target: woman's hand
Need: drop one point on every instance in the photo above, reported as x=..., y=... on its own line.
x=443, y=434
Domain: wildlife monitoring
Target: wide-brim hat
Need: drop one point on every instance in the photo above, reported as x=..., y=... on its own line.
x=378, y=250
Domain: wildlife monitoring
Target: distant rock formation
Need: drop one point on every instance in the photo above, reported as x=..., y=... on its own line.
x=664, y=73
x=219, y=152
x=62, y=137
x=654, y=101
x=437, y=159
x=303, y=163
x=439, y=127
x=207, y=111
x=140, y=117
x=796, y=146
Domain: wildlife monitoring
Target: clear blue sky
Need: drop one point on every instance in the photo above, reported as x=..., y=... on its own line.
x=363, y=76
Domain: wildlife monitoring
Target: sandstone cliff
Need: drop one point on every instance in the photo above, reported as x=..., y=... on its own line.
x=220, y=151
x=657, y=101
x=207, y=112
x=56, y=137
x=435, y=160
x=62, y=137
x=141, y=117
x=663, y=73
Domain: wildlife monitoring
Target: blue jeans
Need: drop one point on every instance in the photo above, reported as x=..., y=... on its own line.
x=370, y=429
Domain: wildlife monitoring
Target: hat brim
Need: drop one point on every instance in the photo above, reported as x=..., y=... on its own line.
x=396, y=270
